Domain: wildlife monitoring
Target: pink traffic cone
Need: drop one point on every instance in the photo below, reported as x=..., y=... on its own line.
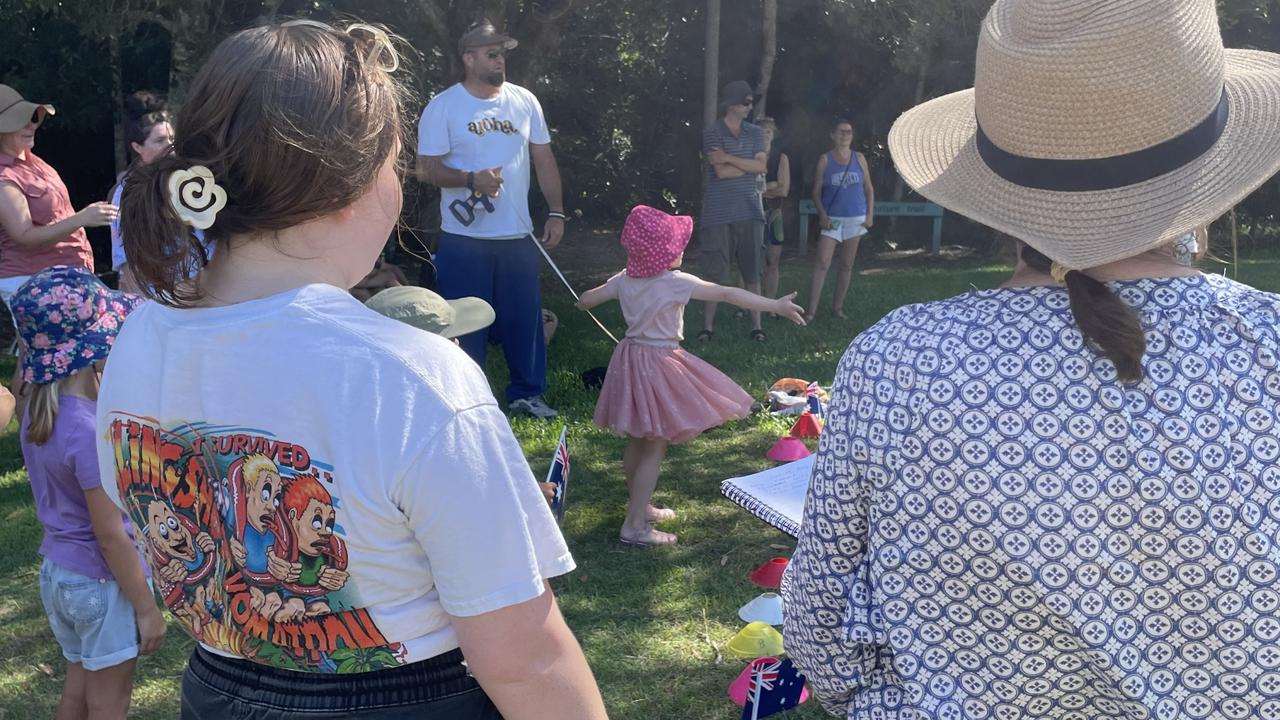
x=787, y=449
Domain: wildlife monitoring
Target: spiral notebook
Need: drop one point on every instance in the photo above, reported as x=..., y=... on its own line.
x=776, y=495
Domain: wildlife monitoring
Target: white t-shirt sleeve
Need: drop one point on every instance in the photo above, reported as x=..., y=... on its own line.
x=433, y=129
x=538, y=132
x=480, y=517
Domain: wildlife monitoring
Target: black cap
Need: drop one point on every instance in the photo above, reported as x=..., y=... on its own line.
x=483, y=34
x=737, y=92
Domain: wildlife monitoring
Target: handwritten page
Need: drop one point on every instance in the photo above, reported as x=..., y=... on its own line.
x=775, y=495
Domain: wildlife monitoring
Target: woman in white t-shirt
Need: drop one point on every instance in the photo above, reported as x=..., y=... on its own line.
x=333, y=550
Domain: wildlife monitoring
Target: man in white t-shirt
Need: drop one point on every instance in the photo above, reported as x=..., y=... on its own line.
x=475, y=142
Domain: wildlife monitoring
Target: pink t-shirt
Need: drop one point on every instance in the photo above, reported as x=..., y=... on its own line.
x=654, y=306
x=48, y=202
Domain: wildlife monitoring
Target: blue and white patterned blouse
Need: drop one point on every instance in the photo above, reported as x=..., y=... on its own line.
x=996, y=528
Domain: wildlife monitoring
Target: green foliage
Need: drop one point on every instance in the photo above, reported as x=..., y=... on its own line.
x=620, y=80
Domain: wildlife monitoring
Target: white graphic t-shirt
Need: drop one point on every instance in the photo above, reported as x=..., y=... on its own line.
x=476, y=134
x=318, y=487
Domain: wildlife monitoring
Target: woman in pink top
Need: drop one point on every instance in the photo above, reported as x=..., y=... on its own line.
x=654, y=392
x=38, y=226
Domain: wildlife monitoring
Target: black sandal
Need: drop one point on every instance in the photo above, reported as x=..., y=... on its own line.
x=758, y=335
x=704, y=336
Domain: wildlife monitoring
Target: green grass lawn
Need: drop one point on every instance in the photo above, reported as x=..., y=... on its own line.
x=654, y=623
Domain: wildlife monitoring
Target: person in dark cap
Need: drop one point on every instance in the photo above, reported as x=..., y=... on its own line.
x=731, y=226
x=476, y=141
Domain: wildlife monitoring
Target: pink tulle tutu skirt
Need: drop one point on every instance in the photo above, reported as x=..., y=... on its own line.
x=654, y=391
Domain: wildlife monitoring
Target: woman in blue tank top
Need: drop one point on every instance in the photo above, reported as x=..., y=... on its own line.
x=845, y=200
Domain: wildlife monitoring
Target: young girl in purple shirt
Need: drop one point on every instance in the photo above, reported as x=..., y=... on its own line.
x=93, y=583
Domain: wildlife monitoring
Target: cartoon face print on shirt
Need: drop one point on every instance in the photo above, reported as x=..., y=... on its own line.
x=263, y=488
x=318, y=555
x=244, y=536
x=181, y=557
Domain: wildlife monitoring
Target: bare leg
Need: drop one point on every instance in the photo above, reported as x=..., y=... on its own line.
x=821, y=264
x=72, y=704
x=107, y=691
x=848, y=253
x=647, y=454
x=630, y=460
x=772, y=256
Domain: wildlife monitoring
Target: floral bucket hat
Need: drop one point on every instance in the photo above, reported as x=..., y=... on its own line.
x=68, y=320
x=653, y=240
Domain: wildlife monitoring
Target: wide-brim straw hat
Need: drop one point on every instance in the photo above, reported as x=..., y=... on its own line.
x=1108, y=127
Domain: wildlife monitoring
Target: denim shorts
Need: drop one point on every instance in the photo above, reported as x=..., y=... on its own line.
x=440, y=688
x=91, y=618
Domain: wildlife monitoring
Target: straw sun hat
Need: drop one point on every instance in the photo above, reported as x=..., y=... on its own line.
x=1108, y=127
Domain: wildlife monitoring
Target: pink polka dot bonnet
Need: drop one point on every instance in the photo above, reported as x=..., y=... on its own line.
x=653, y=240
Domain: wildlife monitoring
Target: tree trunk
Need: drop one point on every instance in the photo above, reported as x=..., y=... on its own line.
x=180, y=59
x=117, y=101
x=539, y=36
x=438, y=21
x=768, y=56
x=711, y=66
x=543, y=39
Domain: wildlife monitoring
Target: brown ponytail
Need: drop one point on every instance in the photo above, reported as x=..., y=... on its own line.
x=1107, y=323
x=160, y=247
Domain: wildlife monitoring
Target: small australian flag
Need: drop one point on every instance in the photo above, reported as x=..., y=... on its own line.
x=814, y=399
x=774, y=687
x=558, y=475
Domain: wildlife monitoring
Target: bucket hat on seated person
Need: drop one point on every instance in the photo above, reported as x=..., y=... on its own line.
x=428, y=311
x=1097, y=129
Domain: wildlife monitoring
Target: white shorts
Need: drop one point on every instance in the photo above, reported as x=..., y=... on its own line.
x=846, y=228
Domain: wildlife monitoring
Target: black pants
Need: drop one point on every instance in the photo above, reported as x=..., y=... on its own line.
x=218, y=688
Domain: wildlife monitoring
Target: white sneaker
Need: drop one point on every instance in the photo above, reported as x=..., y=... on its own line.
x=534, y=406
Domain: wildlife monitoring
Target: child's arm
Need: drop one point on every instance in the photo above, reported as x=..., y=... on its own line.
x=597, y=295
x=122, y=559
x=711, y=292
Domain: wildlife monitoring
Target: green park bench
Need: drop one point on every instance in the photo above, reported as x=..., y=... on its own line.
x=883, y=209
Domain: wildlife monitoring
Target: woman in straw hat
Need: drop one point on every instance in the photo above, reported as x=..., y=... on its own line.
x=39, y=227
x=1059, y=498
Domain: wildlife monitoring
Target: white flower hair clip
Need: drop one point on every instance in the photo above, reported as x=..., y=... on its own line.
x=195, y=197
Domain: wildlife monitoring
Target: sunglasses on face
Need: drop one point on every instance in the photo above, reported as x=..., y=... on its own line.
x=495, y=54
x=747, y=103
x=38, y=115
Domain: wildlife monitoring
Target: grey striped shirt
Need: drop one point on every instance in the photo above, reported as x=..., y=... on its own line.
x=731, y=199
